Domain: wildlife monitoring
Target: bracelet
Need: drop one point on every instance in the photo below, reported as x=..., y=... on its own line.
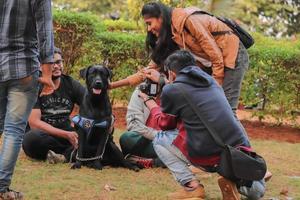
x=148, y=99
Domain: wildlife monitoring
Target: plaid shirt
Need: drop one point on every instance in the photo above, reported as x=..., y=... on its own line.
x=26, y=37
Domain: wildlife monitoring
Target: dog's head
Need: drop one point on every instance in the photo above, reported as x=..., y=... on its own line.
x=97, y=79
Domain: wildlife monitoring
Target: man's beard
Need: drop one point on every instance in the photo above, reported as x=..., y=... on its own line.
x=55, y=77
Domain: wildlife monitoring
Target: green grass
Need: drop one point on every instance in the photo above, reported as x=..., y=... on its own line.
x=39, y=180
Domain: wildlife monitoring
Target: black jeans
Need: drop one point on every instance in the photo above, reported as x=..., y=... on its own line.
x=37, y=143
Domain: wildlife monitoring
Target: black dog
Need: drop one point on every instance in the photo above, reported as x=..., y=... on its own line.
x=94, y=123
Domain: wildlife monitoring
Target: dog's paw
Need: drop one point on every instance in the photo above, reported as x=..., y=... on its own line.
x=76, y=165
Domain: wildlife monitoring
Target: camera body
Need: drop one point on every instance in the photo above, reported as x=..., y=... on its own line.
x=150, y=88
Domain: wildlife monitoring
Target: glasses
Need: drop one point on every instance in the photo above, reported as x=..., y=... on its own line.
x=58, y=62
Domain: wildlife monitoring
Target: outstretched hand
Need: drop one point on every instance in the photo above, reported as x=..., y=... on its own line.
x=152, y=74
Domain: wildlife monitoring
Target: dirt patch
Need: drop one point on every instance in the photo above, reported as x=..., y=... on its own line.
x=255, y=129
x=268, y=131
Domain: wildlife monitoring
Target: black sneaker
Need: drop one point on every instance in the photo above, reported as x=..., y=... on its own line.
x=11, y=195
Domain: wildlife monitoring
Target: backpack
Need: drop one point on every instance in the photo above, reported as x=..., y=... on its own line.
x=243, y=35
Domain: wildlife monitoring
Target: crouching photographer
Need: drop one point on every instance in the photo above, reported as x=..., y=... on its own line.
x=136, y=143
x=194, y=143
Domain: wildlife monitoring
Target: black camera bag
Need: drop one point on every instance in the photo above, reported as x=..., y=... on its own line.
x=243, y=35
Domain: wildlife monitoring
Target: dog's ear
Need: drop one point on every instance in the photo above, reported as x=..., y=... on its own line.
x=84, y=72
x=105, y=62
x=109, y=72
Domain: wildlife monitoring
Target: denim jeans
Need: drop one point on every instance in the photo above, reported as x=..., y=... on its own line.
x=17, y=97
x=178, y=164
x=233, y=78
x=172, y=157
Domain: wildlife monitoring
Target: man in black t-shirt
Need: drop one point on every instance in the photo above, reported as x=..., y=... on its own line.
x=51, y=131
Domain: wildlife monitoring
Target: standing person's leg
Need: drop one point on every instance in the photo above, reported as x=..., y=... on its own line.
x=3, y=103
x=21, y=96
x=179, y=167
x=36, y=144
x=233, y=78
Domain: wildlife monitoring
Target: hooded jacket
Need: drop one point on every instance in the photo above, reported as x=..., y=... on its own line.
x=211, y=102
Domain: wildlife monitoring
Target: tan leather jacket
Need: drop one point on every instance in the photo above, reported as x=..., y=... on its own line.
x=192, y=31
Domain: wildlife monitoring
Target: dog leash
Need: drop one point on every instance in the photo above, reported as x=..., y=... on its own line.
x=96, y=157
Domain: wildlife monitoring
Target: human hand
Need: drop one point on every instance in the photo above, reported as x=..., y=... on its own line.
x=152, y=74
x=143, y=96
x=46, y=79
x=72, y=137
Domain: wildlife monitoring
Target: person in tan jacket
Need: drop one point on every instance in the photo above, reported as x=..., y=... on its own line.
x=216, y=48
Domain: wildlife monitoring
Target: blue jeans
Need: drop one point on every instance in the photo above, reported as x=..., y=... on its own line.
x=172, y=157
x=178, y=164
x=17, y=97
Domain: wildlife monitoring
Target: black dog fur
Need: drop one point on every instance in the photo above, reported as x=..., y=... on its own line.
x=97, y=106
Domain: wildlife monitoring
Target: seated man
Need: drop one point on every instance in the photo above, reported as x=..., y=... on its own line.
x=136, y=143
x=173, y=148
x=51, y=131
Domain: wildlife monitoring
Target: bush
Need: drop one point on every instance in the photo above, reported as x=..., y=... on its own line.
x=273, y=77
x=125, y=53
x=72, y=30
x=122, y=25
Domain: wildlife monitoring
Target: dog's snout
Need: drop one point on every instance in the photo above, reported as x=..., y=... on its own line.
x=98, y=83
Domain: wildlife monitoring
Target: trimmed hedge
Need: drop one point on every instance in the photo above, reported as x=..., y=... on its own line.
x=274, y=64
x=273, y=77
x=121, y=25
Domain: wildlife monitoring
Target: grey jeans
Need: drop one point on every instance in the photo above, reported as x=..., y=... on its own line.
x=233, y=78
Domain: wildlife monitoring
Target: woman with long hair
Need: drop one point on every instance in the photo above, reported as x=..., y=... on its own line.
x=216, y=48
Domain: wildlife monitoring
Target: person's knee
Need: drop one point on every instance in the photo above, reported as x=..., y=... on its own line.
x=31, y=141
x=255, y=195
x=126, y=142
x=256, y=192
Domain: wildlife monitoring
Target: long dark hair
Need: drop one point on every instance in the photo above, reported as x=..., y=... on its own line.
x=160, y=47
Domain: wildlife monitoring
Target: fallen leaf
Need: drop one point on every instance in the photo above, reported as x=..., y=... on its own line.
x=284, y=191
x=109, y=187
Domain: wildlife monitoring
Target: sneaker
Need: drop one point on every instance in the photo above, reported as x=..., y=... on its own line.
x=54, y=158
x=228, y=189
x=141, y=162
x=11, y=195
x=184, y=194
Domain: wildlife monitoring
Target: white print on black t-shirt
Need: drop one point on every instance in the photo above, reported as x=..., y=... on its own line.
x=56, y=110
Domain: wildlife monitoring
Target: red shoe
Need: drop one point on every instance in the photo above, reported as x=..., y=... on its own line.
x=141, y=162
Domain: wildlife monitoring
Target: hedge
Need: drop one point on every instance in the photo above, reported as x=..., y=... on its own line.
x=273, y=75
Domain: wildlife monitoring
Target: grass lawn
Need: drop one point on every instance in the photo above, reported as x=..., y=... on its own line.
x=39, y=180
